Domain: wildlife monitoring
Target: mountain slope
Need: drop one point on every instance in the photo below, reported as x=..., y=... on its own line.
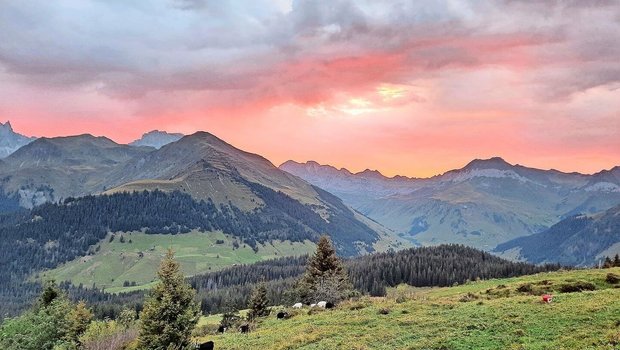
x=485, y=203
x=577, y=240
x=156, y=139
x=49, y=169
x=10, y=141
x=201, y=165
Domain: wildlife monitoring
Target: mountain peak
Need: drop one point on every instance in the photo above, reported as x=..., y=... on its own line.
x=490, y=163
x=10, y=141
x=374, y=174
x=7, y=125
x=156, y=139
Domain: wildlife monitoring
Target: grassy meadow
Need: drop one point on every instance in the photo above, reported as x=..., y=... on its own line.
x=137, y=261
x=494, y=314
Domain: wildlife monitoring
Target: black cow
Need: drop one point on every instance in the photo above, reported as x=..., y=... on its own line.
x=329, y=305
x=206, y=346
x=282, y=315
x=245, y=328
x=221, y=329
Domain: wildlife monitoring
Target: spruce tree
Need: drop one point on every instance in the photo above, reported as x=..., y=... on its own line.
x=170, y=312
x=258, y=302
x=617, y=261
x=325, y=278
x=79, y=319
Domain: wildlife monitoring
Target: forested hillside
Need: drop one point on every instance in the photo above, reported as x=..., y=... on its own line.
x=53, y=233
x=576, y=240
x=442, y=265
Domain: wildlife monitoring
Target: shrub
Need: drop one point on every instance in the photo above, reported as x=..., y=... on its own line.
x=107, y=335
x=612, y=278
x=525, y=288
x=578, y=286
x=384, y=311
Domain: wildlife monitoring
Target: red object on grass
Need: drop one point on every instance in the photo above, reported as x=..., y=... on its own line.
x=547, y=298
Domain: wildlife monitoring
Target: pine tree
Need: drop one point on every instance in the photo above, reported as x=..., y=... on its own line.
x=608, y=263
x=617, y=261
x=79, y=318
x=49, y=294
x=170, y=312
x=258, y=302
x=325, y=278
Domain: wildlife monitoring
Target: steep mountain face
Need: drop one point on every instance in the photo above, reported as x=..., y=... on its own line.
x=49, y=169
x=485, y=203
x=577, y=240
x=156, y=139
x=10, y=141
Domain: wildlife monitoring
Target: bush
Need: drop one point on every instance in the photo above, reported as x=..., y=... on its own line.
x=612, y=278
x=107, y=334
x=578, y=286
x=525, y=288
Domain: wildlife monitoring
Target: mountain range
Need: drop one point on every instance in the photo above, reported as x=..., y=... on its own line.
x=489, y=203
x=201, y=165
x=483, y=204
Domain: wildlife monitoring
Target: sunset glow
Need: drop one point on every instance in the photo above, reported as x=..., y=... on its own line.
x=409, y=88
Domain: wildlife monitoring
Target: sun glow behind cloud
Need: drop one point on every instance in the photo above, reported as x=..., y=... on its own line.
x=413, y=88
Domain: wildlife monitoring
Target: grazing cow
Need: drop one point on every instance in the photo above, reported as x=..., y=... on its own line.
x=298, y=306
x=221, y=329
x=312, y=305
x=329, y=305
x=206, y=346
x=282, y=315
x=321, y=304
x=244, y=328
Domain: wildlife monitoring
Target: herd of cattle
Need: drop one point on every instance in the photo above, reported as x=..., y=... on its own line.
x=245, y=328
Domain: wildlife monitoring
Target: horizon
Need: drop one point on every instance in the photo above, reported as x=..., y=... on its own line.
x=352, y=171
x=407, y=89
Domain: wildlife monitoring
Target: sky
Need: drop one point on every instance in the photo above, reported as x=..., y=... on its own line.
x=406, y=87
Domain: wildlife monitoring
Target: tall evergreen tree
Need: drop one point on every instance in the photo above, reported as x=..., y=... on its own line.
x=617, y=260
x=325, y=277
x=258, y=302
x=170, y=312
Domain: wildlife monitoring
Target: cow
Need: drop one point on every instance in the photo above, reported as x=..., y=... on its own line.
x=282, y=315
x=329, y=305
x=298, y=306
x=312, y=305
x=321, y=304
x=221, y=329
x=244, y=328
x=206, y=346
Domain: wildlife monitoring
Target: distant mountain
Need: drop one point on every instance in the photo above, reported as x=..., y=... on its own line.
x=49, y=169
x=156, y=139
x=577, y=240
x=10, y=141
x=485, y=203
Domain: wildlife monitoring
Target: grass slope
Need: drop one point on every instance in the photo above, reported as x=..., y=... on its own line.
x=117, y=262
x=480, y=315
